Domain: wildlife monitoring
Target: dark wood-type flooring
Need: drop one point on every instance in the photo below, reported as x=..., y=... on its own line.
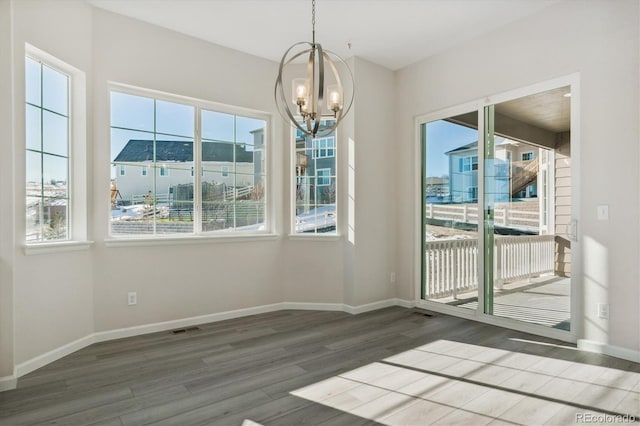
x=391, y=366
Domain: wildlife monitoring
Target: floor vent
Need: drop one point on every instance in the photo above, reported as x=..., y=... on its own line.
x=185, y=330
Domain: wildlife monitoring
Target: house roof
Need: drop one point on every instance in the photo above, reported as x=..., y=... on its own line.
x=139, y=150
x=472, y=145
x=499, y=140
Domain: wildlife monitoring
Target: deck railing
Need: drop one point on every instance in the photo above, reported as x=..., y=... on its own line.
x=468, y=213
x=451, y=266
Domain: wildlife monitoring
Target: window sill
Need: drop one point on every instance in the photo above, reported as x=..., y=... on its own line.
x=314, y=237
x=56, y=247
x=190, y=239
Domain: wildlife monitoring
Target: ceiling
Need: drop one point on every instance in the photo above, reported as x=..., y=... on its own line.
x=550, y=110
x=391, y=33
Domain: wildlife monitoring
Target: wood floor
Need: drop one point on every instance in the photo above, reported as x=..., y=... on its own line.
x=391, y=366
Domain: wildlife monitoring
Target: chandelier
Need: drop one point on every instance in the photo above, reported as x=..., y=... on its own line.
x=319, y=95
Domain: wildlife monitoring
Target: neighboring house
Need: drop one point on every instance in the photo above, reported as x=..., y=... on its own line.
x=136, y=173
x=515, y=165
x=437, y=186
x=315, y=170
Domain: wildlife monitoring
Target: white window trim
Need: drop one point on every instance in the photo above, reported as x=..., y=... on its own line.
x=198, y=235
x=77, y=184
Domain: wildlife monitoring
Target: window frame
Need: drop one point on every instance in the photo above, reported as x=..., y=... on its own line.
x=76, y=238
x=198, y=234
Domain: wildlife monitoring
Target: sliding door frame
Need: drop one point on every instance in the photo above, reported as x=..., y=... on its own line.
x=577, y=314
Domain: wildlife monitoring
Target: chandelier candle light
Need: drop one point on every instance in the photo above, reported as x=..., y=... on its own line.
x=310, y=92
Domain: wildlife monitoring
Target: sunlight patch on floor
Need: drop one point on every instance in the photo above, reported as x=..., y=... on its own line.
x=447, y=382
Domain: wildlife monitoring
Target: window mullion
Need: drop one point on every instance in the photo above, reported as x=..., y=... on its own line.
x=41, y=209
x=197, y=172
x=155, y=167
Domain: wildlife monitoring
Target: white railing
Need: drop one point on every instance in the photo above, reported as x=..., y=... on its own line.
x=232, y=193
x=519, y=257
x=468, y=213
x=451, y=266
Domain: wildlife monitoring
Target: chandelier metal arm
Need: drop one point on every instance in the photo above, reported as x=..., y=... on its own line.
x=280, y=92
x=318, y=108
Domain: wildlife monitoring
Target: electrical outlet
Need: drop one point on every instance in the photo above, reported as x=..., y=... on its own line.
x=132, y=298
x=603, y=310
x=392, y=277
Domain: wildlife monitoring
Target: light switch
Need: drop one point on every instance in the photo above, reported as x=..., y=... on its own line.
x=603, y=212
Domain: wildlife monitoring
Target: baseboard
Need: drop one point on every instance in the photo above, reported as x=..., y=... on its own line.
x=304, y=306
x=404, y=303
x=611, y=350
x=368, y=307
x=120, y=333
x=10, y=382
x=53, y=355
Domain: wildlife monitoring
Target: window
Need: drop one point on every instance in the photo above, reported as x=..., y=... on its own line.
x=467, y=164
x=122, y=170
x=143, y=171
x=161, y=133
x=472, y=193
x=314, y=182
x=47, y=120
x=323, y=177
x=55, y=152
x=527, y=156
x=324, y=147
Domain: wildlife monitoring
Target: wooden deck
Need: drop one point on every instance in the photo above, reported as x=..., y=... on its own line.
x=544, y=300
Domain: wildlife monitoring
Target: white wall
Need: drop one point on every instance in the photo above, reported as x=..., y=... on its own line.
x=598, y=39
x=6, y=192
x=53, y=294
x=192, y=279
x=375, y=139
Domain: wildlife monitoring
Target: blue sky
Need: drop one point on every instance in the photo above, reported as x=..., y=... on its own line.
x=443, y=136
x=173, y=121
x=46, y=123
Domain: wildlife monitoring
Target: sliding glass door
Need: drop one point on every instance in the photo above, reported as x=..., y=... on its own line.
x=497, y=227
x=528, y=209
x=450, y=212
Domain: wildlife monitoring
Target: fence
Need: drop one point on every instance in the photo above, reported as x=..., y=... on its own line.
x=451, y=265
x=468, y=213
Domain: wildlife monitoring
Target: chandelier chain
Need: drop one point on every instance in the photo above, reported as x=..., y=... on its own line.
x=313, y=21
